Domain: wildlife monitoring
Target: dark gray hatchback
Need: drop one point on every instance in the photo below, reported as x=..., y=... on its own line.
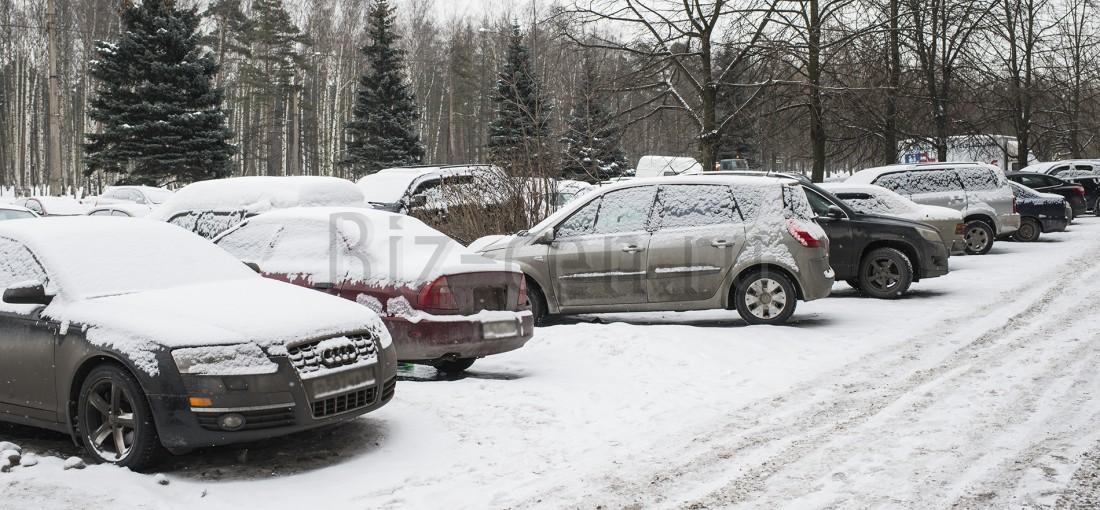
x=134, y=336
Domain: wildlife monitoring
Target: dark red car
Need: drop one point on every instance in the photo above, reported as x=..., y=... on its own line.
x=444, y=305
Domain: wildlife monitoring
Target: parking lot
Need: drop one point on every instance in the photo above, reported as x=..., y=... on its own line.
x=977, y=388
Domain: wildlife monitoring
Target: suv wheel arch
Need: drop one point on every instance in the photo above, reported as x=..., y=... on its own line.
x=984, y=219
x=73, y=394
x=749, y=270
x=904, y=247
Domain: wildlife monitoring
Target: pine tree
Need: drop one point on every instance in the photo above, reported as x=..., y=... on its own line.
x=592, y=145
x=519, y=133
x=383, y=132
x=162, y=118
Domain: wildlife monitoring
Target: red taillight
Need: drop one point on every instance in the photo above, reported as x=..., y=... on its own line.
x=1080, y=190
x=522, y=290
x=803, y=236
x=437, y=296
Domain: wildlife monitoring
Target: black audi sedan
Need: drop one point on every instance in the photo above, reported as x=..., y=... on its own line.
x=134, y=337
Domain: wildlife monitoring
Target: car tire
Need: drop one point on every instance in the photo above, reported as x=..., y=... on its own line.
x=539, y=311
x=455, y=366
x=754, y=308
x=112, y=411
x=1029, y=231
x=978, y=237
x=1096, y=207
x=885, y=273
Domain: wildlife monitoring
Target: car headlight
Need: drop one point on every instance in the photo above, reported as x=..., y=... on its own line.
x=243, y=359
x=930, y=235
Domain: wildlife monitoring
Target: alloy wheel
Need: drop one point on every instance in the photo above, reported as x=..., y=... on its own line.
x=883, y=273
x=976, y=239
x=111, y=422
x=765, y=298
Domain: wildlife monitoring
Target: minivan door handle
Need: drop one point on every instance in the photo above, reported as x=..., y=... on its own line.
x=722, y=243
x=632, y=248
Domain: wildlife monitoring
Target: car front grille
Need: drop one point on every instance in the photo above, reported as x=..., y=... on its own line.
x=307, y=358
x=343, y=403
x=253, y=420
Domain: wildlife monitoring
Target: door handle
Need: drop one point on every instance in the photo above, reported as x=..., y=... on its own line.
x=722, y=243
x=633, y=248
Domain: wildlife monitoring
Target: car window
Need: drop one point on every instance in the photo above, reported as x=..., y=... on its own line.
x=250, y=242
x=1030, y=180
x=976, y=178
x=581, y=221
x=625, y=210
x=819, y=204
x=301, y=243
x=10, y=214
x=690, y=205
x=749, y=201
x=17, y=264
x=35, y=206
x=1047, y=180
x=120, y=213
x=920, y=181
x=1059, y=169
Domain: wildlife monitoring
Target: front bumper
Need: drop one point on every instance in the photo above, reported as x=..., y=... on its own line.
x=935, y=260
x=272, y=405
x=445, y=336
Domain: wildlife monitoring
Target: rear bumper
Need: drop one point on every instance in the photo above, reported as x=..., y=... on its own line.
x=816, y=279
x=1009, y=223
x=457, y=336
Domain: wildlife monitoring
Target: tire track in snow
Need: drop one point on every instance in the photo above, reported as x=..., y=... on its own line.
x=792, y=421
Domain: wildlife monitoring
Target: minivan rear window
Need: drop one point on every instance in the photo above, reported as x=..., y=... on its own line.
x=978, y=178
x=920, y=181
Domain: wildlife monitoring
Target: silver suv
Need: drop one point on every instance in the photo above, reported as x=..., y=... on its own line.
x=980, y=191
x=676, y=243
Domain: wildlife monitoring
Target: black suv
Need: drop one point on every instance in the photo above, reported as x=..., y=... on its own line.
x=879, y=255
x=1074, y=193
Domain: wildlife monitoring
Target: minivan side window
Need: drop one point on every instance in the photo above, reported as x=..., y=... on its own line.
x=694, y=205
x=976, y=178
x=896, y=182
x=581, y=221
x=17, y=264
x=625, y=210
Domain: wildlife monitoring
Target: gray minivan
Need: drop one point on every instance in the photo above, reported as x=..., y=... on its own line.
x=676, y=243
x=980, y=191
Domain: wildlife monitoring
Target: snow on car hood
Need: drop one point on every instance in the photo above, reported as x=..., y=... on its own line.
x=257, y=310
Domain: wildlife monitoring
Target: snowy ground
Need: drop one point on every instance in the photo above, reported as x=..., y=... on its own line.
x=980, y=389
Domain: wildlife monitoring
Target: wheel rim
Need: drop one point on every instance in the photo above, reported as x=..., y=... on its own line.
x=1027, y=231
x=883, y=274
x=765, y=298
x=976, y=239
x=110, y=422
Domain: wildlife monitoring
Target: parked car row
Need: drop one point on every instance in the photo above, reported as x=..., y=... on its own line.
x=248, y=308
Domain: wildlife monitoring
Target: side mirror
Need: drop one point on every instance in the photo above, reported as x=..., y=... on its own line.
x=835, y=212
x=27, y=295
x=253, y=266
x=546, y=237
x=419, y=200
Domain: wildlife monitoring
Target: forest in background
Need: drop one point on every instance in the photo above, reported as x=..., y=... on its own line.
x=813, y=86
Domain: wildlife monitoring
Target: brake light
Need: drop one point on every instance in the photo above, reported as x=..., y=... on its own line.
x=522, y=290
x=803, y=236
x=437, y=296
x=1080, y=190
x=960, y=229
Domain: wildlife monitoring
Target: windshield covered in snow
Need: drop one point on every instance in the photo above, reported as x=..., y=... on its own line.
x=386, y=187
x=100, y=256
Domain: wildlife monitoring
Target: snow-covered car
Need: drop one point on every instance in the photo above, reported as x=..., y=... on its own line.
x=52, y=206
x=132, y=335
x=871, y=199
x=123, y=209
x=1039, y=213
x=676, y=243
x=148, y=196
x=1066, y=168
x=15, y=212
x=979, y=191
x=566, y=191
x=209, y=208
x=444, y=305
x=405, y=188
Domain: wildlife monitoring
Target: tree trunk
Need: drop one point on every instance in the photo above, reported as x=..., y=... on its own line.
x=53, y=102
x=817, y=122
x=890, y=122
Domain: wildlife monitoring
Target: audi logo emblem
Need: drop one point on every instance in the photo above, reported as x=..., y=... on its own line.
x=339, y=356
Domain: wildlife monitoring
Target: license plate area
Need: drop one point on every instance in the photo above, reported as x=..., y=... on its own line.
x=500, y=329
x=334, y=383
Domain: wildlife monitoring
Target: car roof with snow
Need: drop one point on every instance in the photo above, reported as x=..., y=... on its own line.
x=867, y=176
x=260, y=194
x=56, y=206
x=1044, y=167
x=389, y=185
